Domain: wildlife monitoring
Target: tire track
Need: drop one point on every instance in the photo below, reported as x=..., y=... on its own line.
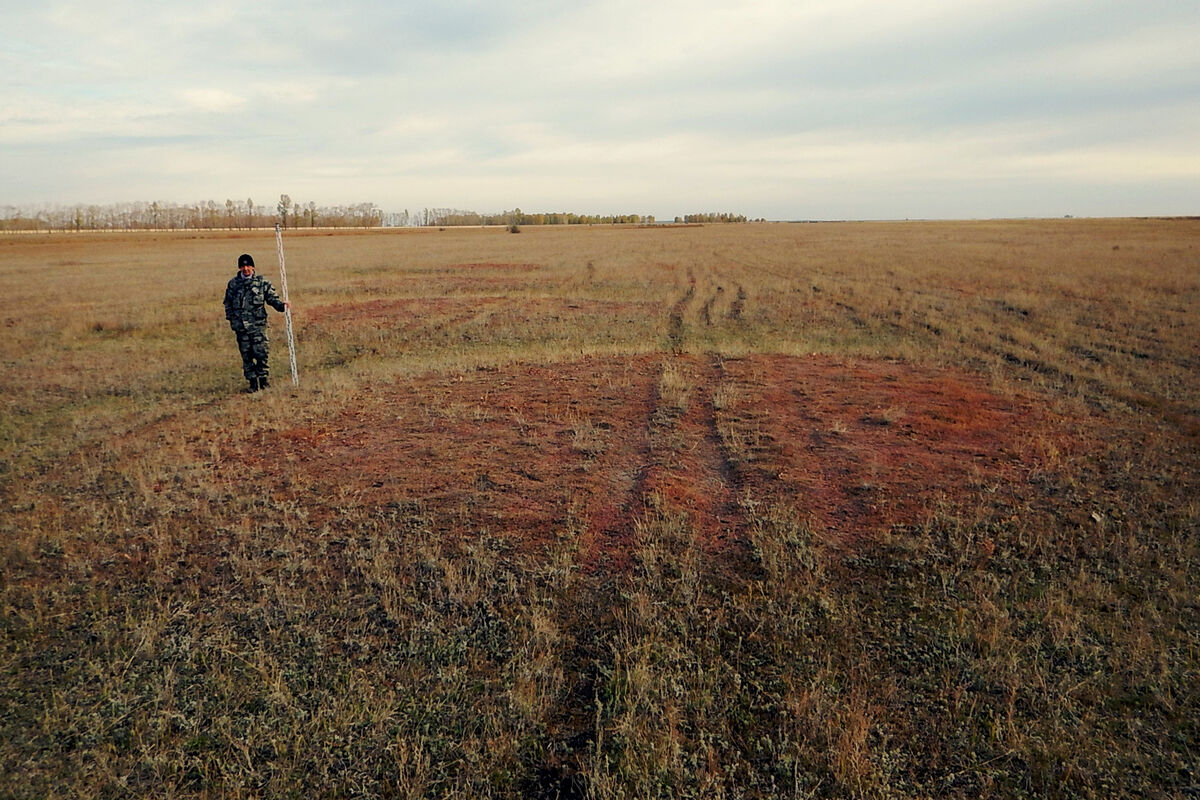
x=679, y=464
x=711, y=314
x=675, y=325
x=606, y=542
x=738, y=305
x=692, y=470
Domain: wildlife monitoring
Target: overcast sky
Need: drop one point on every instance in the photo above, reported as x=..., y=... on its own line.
x=784, y=109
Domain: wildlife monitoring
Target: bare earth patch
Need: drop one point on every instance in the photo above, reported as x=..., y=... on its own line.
x=531, y=453
x=869, y=445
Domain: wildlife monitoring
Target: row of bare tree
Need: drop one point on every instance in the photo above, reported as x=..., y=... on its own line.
x=210, y=215
x=207, y=215
x=447, y=217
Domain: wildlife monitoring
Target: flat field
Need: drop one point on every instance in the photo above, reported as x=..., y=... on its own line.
x=895, y=509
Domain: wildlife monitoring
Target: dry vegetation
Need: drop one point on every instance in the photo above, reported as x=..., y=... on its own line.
x=871, y=510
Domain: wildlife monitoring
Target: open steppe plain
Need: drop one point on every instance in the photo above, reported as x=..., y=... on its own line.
x=901, y=509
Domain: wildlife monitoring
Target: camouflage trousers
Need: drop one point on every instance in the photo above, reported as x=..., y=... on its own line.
x=252, y=344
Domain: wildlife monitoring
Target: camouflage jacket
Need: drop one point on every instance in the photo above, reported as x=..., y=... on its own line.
x=246, y=300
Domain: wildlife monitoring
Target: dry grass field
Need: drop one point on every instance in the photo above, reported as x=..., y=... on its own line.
x=815, y=510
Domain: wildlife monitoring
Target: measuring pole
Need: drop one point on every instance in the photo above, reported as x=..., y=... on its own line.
x=287, y=311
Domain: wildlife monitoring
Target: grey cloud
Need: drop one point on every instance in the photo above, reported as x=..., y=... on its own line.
x=492, y=98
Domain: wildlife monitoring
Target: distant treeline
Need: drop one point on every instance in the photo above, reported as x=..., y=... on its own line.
x=198, y=216
x=445, y=217
x=712, y=217
x=210, y=215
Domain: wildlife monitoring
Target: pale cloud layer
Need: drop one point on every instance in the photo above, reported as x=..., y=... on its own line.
x=785, y=109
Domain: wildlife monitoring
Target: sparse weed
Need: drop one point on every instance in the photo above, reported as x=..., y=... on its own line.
x=674, y=389
x=588, y=437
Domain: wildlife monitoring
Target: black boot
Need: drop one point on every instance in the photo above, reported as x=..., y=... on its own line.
x=263, y=383
x=254, y=384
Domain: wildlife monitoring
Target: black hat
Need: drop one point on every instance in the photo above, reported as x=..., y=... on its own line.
x=245, y=259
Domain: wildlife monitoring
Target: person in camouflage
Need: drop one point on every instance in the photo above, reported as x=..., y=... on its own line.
x=246, y=297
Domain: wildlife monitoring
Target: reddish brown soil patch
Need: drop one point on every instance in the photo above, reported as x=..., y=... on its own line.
x=862, y=446
x=532, y=454
x=529, y=453
x=409, y=313
x=438, y=312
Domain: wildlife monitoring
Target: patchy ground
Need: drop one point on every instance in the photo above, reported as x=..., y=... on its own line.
x=530, y=453
x=568, y=574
